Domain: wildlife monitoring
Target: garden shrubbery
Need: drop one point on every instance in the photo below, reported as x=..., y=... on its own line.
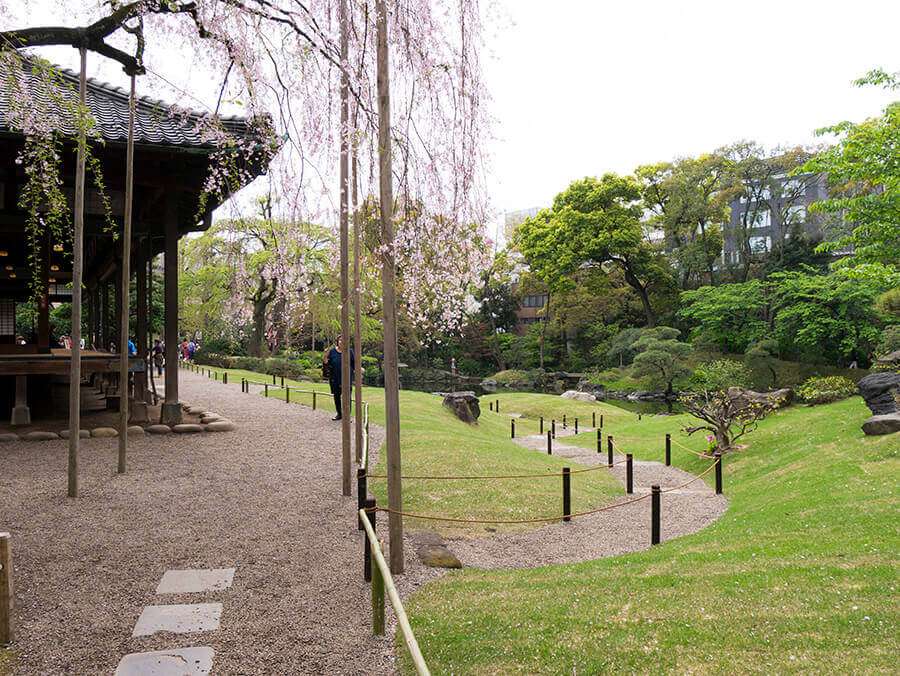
x=822, y=390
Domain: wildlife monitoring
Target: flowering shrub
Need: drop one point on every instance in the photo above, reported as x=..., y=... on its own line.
x=710, y=444
x=822, y=390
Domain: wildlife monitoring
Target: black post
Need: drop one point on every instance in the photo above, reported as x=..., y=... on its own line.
x=491, y=405
x=599, y=440
x=609, y=449
x=639, y=416
x=512, y=428
x=224, y=377
x=601, y=421
x=217, y=376
x=542, y=425
x=497, y=407
x=314, y=400
x=594, y=419
x=567, y=494
x=367, y=548
x=553, y=428
x=668, y=449
x=718, y=473
x=361, y=493
x=629, y=474
x=654, y=515
x=282, y=381
x=243, y=384
x=267, y=389
x=287, y=395
x=564, y=421
x=576, y=425
x=549, y=444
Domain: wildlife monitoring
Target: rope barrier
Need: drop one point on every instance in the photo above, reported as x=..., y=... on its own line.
x=699, y=476
x=691, y=450
x=497, y=476
x=511, y=521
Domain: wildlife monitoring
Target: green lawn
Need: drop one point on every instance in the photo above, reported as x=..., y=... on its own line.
x=799, y=575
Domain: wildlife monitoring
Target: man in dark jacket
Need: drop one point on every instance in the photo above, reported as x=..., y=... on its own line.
x=333, y=359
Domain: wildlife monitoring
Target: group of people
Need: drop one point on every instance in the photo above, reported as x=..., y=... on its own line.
x=187, y=349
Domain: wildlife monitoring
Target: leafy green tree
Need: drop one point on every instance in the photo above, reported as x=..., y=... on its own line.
x=661, y=356
x=864, y=167
x=622, y=346
x=730, y=315
x=593, y=223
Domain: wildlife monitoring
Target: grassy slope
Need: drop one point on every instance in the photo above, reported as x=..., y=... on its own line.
x=434, y=442
x=799, y=575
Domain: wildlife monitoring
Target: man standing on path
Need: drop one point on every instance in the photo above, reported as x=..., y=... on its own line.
x=333, y=359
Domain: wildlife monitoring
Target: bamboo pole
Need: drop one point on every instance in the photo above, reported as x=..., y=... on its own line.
x=389, y=311
x=77, y=243
x=345, y=282
x=124, y=297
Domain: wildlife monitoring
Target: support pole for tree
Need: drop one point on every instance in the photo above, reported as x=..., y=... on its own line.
x=77, y=240
x=357, y=315
x=345, y=282
x=391, y=374
x=124, y=297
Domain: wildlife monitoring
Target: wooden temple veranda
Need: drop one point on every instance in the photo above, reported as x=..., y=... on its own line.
x=172, y=161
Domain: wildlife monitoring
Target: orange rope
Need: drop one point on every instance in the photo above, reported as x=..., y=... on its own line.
x=690, y=450
x=495, y=476
x=511, y=521
x=699, y=476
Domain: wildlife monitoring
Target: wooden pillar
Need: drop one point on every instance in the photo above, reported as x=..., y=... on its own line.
x=104, y=315
x=344, y=271
x=140, y=329
x=43, y=300
x=92, y=309
x=148, y=396
x=116, y=324
x=171, y=409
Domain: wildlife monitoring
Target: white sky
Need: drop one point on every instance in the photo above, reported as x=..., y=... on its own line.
x=582, y=87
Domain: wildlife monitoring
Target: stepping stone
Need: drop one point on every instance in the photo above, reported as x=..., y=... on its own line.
x=39, y=436
x=209, y=419
x=193, y=581
x=135, y=430
x=438, y=556
x=196, y=410
x=104, y=432
x=8, y=436
x=158, y=429
x=221, y=426
x=82, y=434
x=180, y=619
x=187, y=428
x=179, y=662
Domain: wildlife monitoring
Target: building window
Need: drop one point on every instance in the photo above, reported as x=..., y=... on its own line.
x=535, y=301
x=760, y=244
x=796, y=214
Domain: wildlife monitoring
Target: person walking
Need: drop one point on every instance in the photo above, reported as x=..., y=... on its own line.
x=158, y=356
x=332, y=361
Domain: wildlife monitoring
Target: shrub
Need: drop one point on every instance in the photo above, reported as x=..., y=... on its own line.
x=890, y=340
x=250, y=364
x=509, y=376
x=207, y=358
x=822, y=390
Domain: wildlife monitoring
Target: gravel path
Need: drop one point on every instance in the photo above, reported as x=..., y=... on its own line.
x=264, y=499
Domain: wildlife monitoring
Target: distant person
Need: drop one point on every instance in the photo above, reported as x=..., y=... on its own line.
x=191, y=349
x=158, y=356
x=333, y=359
x=132, y=350
x=184, y=350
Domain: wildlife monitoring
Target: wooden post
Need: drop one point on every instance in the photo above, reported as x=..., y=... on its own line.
x=668, y=449
x=542, y=425
x=512, y=428
x=567, y=493
x=314, y=400
x=362, y=492
x=378, y=597
x=654, y=514
x=344, y=176
x=629, y=474
x=124, y=294
x=599, y=441
x=718, y=473
x=267, y=389
x=576, y=425
x=491, y=405
x=287, y=394
x=357, y=312
x=593, y=418
x=171, y=409
x=549, y=444
x=6, y=590
x=77, y=244
x=104, y=315
x=224, y=377
x=609, y=449
x=553, y=428
x=140, y=328
x=388, y=287
x=564, y=421
x=601, y=421
x=498, y=406
x=367, y=549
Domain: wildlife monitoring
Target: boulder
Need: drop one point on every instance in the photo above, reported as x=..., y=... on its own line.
x=464, y=406
x=438, y=556
x=578, y=396
x=158, y=429
x=39, y=436
x=882, y=424
x=9, y=436
x=135, y=431
x=187, y=428
x=890, y=358
x=104, y=432
x=881, y=392
x=210, y=418
x=597, y=389
x=82, y=434
x=774, y=399
x=220, y=426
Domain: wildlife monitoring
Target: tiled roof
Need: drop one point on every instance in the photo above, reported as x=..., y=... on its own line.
x=155, y=123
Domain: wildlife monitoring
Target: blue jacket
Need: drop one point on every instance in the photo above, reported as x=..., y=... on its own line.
x=334, y=359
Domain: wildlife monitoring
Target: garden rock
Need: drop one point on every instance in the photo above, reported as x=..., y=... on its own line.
x=8, y=436
x=438, y=556
x=82, y=434
x=464, y=406
x=220, y=426
x=39, y=436
x=135, y=430
x=578, y=396
x=775, y=399
x=187, y=428
x=881, y=392
x=890, y=358
x=104, y=432
x=158, y=429
x=882, y=424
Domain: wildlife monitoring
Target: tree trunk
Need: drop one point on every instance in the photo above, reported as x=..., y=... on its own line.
x=635, y=284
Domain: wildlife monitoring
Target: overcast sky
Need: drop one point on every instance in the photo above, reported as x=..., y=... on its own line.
x=582, y=87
